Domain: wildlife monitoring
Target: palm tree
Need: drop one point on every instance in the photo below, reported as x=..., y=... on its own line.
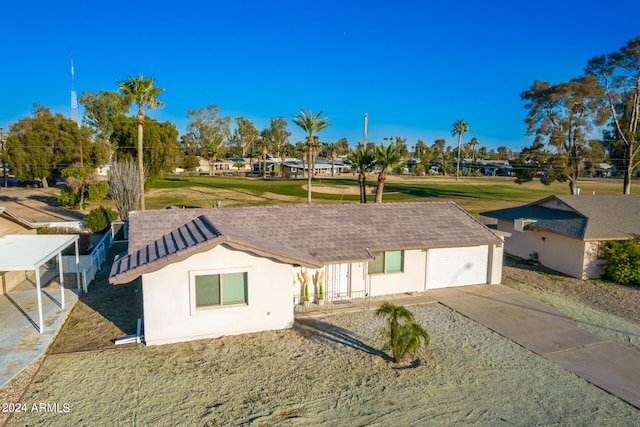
x=459, y=128
x=332, y=148
x=404, y=334
x=473, y=142
x=311, y=124
x=387, y=158
x=284, y=152
x=143, y=94
x=361, y=160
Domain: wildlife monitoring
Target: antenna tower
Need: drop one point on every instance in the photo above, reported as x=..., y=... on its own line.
x=74, y=98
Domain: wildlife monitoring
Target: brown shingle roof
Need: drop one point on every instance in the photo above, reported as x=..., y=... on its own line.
x=306, y=235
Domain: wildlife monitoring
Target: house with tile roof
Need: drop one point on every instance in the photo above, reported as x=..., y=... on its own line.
x=567, y=233
x=212, y=272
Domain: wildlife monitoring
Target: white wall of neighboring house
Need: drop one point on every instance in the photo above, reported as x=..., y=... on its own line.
x=561, y=253
x=593, y=265
x=169, y=309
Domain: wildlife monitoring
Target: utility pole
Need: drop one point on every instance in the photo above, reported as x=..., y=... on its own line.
x=364, y=142
x=4, y=164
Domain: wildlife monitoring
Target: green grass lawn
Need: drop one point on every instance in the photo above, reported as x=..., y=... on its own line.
x=475, y=194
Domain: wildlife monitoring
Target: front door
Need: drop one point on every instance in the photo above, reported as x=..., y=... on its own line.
x=339, y=276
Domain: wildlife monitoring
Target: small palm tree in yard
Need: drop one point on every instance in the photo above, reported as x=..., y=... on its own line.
x=406, y=337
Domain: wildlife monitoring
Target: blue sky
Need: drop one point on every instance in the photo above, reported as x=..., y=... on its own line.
x=414, y=66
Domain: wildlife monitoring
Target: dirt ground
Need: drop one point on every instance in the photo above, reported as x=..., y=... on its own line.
x=323, y=372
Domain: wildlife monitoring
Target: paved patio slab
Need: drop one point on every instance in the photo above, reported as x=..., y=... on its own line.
x=21, y=341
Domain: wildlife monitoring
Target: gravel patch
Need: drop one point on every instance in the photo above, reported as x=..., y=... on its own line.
x=323, y=372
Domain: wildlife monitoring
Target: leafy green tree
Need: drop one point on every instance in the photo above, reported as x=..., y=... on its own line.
x=361, y=161
x=245, y=137
x=459, y=127
x=80, y=182
x=277, y=135
x=387, y=159
x=100, y=111
x=40, y=146
x=563, y=115
x=619, y=74
x=162, y=150
x=210, y=132
x=142, y=93
x=623, y=261
x=404, y=334
x=311, y=124
x=343, y=147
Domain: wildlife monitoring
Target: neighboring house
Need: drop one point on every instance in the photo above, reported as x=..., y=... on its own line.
x=212, y=272
x=11, y=223
x=568, y=233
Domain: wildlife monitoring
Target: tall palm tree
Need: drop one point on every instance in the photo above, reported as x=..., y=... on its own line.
x=473, y=142
x=361, y=160
x=332, y=148
x=387, y=159
x=311, y=124
x=140, y=91
x=459, y=128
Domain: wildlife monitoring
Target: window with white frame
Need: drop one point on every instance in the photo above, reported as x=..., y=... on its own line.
x=217, y=290
x=387, y=262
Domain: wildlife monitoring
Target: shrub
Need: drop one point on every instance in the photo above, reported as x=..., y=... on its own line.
x=623, y=261
x=99, y=219
x=68, y=197
x=96, y=193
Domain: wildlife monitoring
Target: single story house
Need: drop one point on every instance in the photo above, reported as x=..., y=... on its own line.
x=567, y=233
x=212, y=272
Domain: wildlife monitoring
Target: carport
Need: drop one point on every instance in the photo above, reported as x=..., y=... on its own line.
x=30, y=252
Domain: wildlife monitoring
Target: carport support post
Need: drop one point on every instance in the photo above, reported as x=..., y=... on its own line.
x=77, y=265
x=61, y=273
x=39, y=288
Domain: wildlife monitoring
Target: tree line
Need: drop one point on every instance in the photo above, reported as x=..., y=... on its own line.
x=564, y=117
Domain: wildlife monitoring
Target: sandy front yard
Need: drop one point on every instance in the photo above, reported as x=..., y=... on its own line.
x=323, y=372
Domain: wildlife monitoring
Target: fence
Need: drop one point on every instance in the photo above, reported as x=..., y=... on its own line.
x=90, y=264
x=334, y=301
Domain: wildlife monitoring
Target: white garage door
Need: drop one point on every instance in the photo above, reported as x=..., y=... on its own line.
x=457, y=266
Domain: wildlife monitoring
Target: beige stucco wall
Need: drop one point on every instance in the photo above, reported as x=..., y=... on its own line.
x=412, y=278
x=10, y=279
x=555, y=251
x=593, y=267
x=170, y=315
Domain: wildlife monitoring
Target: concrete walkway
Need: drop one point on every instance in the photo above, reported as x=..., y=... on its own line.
x=21, y=341
x=543, y=330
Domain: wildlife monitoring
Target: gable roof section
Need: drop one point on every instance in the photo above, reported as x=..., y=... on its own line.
x=587, y=217
x=13, y=217
x=198, y=235
x=305, y=235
